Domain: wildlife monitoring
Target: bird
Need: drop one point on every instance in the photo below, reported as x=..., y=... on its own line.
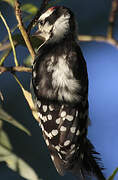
x=60, y=87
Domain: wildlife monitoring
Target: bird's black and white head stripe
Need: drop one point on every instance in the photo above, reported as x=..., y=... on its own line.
x=56, y=23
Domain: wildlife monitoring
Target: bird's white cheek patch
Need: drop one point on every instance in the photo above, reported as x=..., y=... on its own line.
x=61, y=26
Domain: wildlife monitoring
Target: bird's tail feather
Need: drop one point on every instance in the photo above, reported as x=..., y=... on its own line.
x=88, y=164
x=91, y=161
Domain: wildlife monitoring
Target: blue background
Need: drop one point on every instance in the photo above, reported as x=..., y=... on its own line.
x=102, y=63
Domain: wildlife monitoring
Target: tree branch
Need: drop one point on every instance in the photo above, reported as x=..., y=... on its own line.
x=14, y=69
x=108, y=40
x=109, y=37
x=22, y=29
x=112, y=18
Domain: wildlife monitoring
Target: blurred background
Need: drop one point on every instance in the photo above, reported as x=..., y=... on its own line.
x=102, y=62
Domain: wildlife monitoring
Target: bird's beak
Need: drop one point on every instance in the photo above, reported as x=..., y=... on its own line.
x=38, y=34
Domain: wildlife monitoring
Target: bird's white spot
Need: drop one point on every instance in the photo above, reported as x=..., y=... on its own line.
x=63, y=128
x=72, y=152
x=78, y=132
x=82, y=156
x=63, y=113
x=58, y=120
x=49, y=117
x=72, y=129
x=34, y=74
x=63, y=118
x=39, y=103
x=69, y=118
x=77, y=147
x=57, y=147
x=63, y=152
x=44, y=118
x=37, y=87
x=39, y=114
x=76, y=113
x=50, y=135
x=62, y=106
x=52, y=157
x=42, y=127
x=44, y=108
x=47, y=142
x=60, y=155
x=51, y=108
x=46, y=134
x=72, y=146
x=66, y=143
x=54, y=132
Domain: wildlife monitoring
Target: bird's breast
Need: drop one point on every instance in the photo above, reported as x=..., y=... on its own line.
x=57, y=79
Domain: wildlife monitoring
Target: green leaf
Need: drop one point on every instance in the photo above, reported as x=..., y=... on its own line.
x=6, y=117
x=36, y=42
x=29, y=99
x=28, y=61
x=4, y=140
x=17, y=164
x=18, y=40
x=13, y=161
x=29, y=8
x=113, y=175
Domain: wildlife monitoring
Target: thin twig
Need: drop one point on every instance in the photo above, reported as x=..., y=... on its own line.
x=42, y=8
x=104, y=39
x=10, y=38
x=112, y=17
x=22, y=29
x=109, y=37
x=14, y=69
x=4, y=56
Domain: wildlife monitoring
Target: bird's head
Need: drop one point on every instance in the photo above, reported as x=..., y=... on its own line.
x=56, y=24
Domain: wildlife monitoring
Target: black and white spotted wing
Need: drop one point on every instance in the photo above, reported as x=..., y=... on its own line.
x=62, y=127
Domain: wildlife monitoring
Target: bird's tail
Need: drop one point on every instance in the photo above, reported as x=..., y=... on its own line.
x=88, y=163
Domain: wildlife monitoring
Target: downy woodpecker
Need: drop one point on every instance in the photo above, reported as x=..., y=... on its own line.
x=60, y=85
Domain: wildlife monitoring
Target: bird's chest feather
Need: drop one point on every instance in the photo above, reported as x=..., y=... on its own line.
x=57, y=79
